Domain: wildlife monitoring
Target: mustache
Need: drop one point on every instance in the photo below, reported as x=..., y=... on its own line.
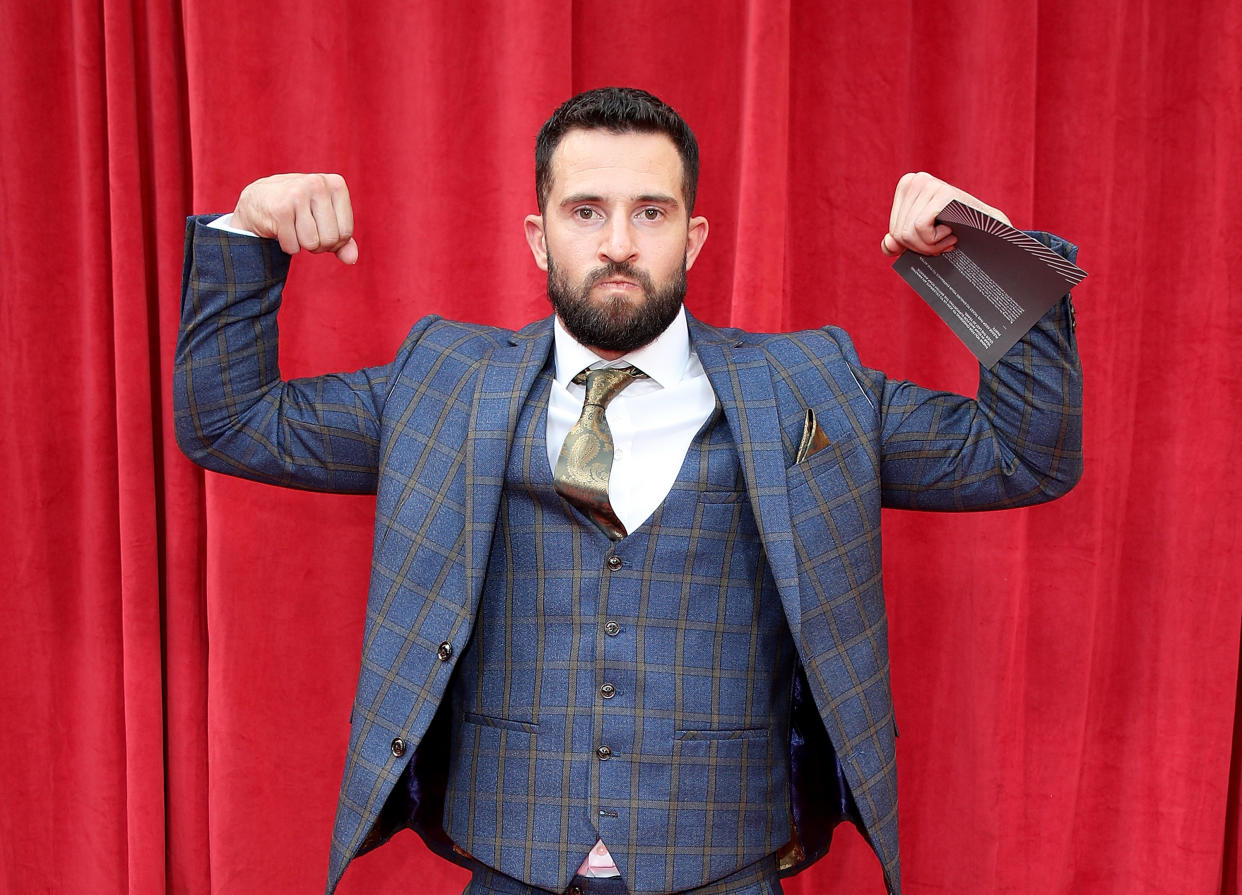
x=619, y=269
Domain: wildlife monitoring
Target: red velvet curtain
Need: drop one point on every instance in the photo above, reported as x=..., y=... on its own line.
x=178, y=650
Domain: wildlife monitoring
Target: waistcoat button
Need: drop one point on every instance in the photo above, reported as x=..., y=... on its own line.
x=614, y=563
x=608, y=691
x=398, y=747
x=445, y=652
x=604, y=753
x=612, y=629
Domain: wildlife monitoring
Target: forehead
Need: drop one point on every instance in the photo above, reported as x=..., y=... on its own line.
x=600, y=163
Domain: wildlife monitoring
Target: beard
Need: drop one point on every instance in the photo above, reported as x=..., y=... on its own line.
x=616, y=323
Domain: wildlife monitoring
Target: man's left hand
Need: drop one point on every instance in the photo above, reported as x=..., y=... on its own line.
x=912, y=223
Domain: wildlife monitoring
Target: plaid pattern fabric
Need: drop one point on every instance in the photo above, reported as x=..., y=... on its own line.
x=681, y=620
x=432, y=430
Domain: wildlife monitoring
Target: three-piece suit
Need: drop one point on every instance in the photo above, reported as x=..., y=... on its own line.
x=707, y=692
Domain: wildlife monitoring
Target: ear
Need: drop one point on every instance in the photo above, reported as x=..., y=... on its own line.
x=696, y=235
x=536, y=240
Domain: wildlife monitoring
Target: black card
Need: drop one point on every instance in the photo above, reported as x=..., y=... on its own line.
x=993, y=286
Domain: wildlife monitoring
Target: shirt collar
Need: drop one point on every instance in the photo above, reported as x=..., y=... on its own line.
x=664, y=358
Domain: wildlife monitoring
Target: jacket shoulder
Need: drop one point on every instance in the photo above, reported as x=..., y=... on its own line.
x=462, y=343
x=434, y=330
x=826, y=344
x=829, y=342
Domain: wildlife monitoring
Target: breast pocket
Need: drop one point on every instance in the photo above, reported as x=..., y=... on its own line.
x=834, y=507
x=831, y=473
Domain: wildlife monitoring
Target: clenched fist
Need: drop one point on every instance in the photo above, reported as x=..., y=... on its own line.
x=300, y=211
x=912, y=222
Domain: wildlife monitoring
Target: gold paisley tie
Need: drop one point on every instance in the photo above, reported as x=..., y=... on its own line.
x=585, y=462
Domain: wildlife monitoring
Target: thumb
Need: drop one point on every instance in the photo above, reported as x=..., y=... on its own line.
x=348, y=253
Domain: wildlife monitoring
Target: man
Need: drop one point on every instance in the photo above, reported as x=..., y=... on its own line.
x=624, y=633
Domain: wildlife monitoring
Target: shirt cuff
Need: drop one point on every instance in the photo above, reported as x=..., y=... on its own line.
x=225, y=222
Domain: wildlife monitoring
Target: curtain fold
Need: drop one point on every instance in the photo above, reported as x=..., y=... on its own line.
x=178, y=650
x=763, y=195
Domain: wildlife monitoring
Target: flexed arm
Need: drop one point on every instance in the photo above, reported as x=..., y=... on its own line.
x=1020, y=440
x=232, y=411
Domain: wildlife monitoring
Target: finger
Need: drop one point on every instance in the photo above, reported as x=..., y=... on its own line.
x=348, y=253
x=920, y=230
x=889, y=245
x=943, y=240
x=899, y=202
x=342, y=205
x=925, y=227
x=906, y=210
x=306, y=227
x=324, y=214
x=919, y=226
x=286, y=234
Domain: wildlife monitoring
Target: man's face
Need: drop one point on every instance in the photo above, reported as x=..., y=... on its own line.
x=615, y=238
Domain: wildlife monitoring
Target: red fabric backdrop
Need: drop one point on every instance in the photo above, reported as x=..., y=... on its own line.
x=178, y=650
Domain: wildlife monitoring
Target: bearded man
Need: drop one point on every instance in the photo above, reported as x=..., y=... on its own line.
x=625, y=628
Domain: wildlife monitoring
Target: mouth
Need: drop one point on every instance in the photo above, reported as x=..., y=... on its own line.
x=618, y=284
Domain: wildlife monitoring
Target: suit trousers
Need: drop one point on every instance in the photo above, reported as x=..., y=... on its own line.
x=759, y=878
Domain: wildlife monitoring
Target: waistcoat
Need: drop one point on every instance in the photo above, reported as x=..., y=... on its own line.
x=636, y=691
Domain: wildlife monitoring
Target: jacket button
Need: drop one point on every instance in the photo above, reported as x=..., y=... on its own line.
x=614, y=563
x=612, y=629
x=445, y=651
x=604, y=753
x=608, y=691
x=575, y=890
x=398, y=747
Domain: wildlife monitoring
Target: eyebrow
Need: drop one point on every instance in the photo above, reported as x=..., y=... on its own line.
x=651, y=198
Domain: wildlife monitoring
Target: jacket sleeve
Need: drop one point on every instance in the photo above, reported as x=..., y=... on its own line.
x=232, y=411
x=1018, y=442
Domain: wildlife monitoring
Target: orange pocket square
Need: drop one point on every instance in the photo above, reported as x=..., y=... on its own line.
x=813, y=438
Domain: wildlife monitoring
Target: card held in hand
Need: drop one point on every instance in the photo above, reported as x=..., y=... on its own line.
x=995, y=283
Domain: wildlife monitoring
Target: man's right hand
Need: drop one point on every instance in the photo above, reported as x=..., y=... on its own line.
x=300, y=211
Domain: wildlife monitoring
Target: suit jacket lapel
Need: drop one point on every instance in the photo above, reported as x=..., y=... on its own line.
x=505, y=379
x=741, y=377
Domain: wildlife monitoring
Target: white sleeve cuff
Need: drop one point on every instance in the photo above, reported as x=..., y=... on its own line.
x=225, y=222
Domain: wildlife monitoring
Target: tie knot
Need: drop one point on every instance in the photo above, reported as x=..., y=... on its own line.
x=604, y=384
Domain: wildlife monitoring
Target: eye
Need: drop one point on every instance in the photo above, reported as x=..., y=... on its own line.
x=651, y=214
x=584, y=213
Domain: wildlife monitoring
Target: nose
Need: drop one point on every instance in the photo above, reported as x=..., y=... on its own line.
x=617, y=240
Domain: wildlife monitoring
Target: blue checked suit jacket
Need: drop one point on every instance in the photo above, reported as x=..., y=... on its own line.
x=430, y=432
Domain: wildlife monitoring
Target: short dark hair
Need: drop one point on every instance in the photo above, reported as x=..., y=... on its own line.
x=618, y=110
